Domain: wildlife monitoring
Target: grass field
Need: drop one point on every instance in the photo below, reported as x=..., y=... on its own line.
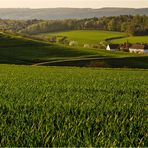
x=87, y=36
x=65, y=106
x=44, y=106
x=96, y=36
x=134, y=39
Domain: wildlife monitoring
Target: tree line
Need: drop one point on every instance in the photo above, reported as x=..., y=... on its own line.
x=14, y=26
x=132, y=25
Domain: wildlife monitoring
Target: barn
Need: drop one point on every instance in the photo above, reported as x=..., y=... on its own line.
x=139, y=48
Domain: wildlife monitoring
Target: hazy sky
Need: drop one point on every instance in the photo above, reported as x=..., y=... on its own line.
x=72, y=3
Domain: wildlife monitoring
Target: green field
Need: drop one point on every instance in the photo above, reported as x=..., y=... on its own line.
x=14, y=49
x=19, y=50
x=87, y=36
x=44, y=106
x=134, y=39
x=96, y=36
x=73, y=107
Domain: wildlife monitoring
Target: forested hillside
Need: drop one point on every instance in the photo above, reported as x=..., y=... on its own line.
x=132, y=25
x=16, y=25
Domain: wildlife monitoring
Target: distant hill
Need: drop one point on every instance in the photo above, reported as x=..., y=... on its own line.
x=66, y=13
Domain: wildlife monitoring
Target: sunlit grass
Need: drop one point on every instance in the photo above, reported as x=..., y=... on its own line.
x=52, y=106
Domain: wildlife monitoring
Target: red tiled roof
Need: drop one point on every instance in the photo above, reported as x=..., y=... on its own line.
x=139, y=46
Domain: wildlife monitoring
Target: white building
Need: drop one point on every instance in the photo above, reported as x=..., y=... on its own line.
x=112, y=47
x=139, y=48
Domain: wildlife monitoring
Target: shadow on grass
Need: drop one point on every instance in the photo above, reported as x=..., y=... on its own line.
x=125, y=62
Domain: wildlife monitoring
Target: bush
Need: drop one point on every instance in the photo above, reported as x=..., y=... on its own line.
x=98, y=64
x=73, y=43
x=86, y=46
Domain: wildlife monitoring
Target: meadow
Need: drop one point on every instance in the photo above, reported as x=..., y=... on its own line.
x=87, y=36
x=133, y=39
x=94, y=37
x=63, y=106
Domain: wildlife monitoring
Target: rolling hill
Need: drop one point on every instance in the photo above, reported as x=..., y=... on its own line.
x=16, y=49
x=42, y=104
x=86, y=36
x=19, y=50
x=66, y=13
x=70, y=106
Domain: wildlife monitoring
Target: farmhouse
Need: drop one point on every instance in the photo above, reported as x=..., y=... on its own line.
x=112, y=47
x=139, y=48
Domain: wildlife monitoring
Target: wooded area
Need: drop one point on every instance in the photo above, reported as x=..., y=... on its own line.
x=132, y=25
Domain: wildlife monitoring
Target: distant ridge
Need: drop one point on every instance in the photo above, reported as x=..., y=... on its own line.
x=67, y=13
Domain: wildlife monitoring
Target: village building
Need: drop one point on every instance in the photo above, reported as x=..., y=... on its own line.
x=139, y=48
x=125, y=47
x=113, y=47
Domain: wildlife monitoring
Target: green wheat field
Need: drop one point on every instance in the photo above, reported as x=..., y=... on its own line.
x=63, y=106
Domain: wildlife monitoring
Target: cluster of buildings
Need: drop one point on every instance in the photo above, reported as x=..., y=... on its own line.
x=133, y=48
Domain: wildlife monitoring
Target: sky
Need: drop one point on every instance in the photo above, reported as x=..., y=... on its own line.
x=72, y=3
